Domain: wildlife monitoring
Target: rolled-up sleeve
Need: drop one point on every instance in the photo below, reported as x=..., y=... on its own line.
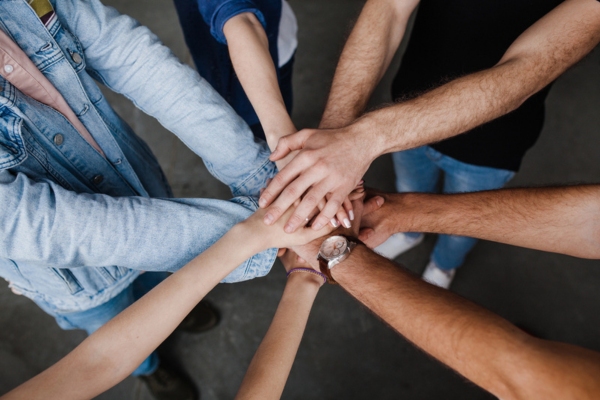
x=217, y=13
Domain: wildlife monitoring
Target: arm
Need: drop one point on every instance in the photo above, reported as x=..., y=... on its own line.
x=561, y=219
x=131, y=60
x=43, y=223
x=331, y=161
x=249, y=52
x=481, y=346
x=271, y=365
x=366, y=56
x=115, y=350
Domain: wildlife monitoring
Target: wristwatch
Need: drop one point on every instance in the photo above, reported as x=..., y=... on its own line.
x=333, y=251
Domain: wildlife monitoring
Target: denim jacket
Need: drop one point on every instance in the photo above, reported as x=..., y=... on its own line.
x=78, y=227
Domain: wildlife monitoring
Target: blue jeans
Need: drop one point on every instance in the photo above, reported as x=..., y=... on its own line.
x=91, y=320
x=418, y=170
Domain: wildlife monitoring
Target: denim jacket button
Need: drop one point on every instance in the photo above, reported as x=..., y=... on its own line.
x=8, y=68
x=76, y=58
x=97, y=179
x=58, y=139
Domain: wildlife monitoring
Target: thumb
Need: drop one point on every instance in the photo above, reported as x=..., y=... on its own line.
x=365, y=234
x=373, y=204
x=290, y=143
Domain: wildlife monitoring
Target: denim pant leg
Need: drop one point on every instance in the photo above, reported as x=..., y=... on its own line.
x=450, y=250
x=415, y=172
x=91, y=320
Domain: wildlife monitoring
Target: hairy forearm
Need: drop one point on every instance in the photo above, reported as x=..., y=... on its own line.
x=365, y=58
x=478, y=344
x=117, y=348
x=534, y=60
x=249, y=52
x=559, y=219
x=271, y=365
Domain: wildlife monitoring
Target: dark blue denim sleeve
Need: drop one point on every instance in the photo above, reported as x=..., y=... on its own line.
x=217, y=12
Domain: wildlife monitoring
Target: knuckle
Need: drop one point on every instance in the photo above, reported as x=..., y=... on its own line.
x=275, y=210
x=278, y=180
x=310, y=200
x=295, y=219
x=292, y=192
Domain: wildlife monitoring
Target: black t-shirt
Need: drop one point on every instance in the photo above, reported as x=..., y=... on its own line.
x=452, y=38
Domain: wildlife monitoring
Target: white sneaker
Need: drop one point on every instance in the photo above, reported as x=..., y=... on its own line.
x=397, y=244
x=438, y=277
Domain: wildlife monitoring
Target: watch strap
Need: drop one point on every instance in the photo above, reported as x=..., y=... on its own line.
x=324, y=267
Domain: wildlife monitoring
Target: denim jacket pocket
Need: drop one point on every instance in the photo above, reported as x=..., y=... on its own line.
x=69, y=279
x=12, y=148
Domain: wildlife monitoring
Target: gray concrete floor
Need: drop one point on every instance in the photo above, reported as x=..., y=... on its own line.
x=346, y=352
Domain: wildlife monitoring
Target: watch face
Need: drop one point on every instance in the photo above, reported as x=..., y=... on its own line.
x=333, y=247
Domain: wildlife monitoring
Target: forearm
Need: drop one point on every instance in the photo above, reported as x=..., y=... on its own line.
x=476, y=343
x=46, y=224
x=129, y=59
x=534, y=60
x=116, y=349
x=271, y=365
x=249, y=52
x=561, y=219
x=365, y=58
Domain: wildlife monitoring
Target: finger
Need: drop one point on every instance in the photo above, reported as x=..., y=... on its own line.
x=281, y=252
x=365, y=234
x=349, y=208
x=373, y=204
x=289, y=195
x=342, y=215
x=299, y=167
x=332, y=206
x=356, y=195
x=307, y=205
x=308, y=235
x=289, y=143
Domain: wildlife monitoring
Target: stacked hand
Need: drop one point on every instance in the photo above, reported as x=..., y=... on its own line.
x=328, y=166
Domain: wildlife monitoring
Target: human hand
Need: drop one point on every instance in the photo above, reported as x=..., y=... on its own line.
x=362, y=207
x=329, y=165
x=381, y=222
x=269, y=236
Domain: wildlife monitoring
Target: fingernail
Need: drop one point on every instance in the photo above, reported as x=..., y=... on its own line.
x=288, y=228
x=268, y=219
x=334, y=222
x=361, y=182
x=347, y=223
x=351, y=213
x=262, y=202
x=379, y=201
x=317, y=225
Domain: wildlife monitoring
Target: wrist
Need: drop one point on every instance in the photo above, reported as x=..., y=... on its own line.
x=366, y=135
x=304, y=276
x=251, y=236
x=351, y=264
x=276, y=128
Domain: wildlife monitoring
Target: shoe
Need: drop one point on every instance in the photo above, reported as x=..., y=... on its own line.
x=202, y=318
x=438, y=277
x=397, y=244
x=167, y=384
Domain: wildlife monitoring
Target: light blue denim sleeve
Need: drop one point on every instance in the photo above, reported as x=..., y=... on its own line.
x=131, y=60
x=46, y=224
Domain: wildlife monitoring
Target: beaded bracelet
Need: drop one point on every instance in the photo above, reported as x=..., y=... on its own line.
x=310, y=271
